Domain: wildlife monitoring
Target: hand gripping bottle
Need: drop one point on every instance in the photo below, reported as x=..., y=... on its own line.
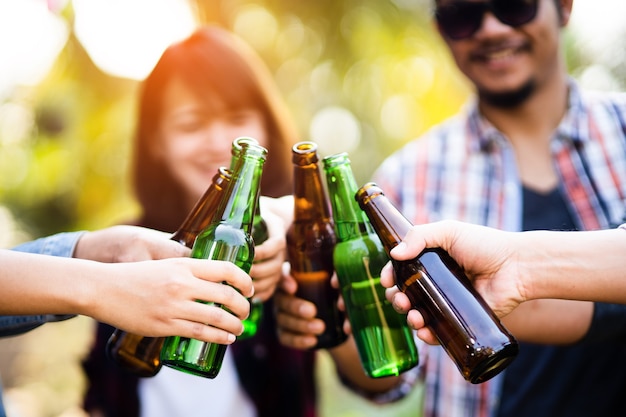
x=227, y=238
x=469, y=331
x=138, y=354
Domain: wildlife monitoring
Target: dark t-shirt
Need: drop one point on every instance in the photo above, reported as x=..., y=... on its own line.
x=584, y=379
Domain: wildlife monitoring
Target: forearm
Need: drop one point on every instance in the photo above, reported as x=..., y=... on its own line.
x=349, y=366
x=574, y=265
x=550, y=321
x=41, y=284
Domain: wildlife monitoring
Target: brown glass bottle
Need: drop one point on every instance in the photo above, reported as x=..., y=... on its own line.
x=466, y=327
x=140, y=354
x=310, y=244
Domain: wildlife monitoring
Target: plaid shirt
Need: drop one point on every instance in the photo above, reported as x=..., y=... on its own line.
x=465, y=169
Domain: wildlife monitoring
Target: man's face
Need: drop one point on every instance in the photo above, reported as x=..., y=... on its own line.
x=505, y=63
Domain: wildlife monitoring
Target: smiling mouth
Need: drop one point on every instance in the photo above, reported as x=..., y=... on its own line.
x=499, y=55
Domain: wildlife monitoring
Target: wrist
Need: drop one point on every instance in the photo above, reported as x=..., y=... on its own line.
x=535, y=257
x=82, y=248
x=87, y=291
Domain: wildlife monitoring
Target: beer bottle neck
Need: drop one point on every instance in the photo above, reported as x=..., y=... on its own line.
x=203, y=211
x=388, y=222
x=239, y=208
x=310, y=202
x=350, y=221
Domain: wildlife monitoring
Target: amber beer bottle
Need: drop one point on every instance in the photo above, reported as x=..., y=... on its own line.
x=140, y=354
x=227, y=238
x=383, y=338
x=466, y=327
x=310, y=244
x=259, y=235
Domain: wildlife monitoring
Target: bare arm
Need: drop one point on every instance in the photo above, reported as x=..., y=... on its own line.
x=142, y=294
x=511, y=268
x=127, y=244
x=154, y=298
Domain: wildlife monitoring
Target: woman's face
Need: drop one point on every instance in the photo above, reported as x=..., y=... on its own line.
x=196, y=140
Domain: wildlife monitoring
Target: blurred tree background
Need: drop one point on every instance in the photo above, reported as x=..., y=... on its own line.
x=361, y=76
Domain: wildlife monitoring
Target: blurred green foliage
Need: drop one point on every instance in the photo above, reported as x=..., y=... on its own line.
x=65, y=144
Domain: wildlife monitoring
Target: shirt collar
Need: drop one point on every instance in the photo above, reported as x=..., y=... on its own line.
x=573, y=127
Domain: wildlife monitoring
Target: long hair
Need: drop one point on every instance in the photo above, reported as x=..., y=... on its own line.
x=212, y=62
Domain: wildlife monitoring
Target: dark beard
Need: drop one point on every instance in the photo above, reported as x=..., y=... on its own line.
x=509, y=99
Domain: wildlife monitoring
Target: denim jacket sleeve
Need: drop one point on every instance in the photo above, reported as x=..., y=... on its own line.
x=62, y=244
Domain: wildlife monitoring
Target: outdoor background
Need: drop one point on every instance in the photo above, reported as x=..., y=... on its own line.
x=360, y=76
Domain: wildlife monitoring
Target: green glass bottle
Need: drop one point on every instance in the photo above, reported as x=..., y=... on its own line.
x=383, y=338
x=227, y=238
x=139, y=354
x=259, y=235
x=469, y=331
x=251, y=324
x=310, y=243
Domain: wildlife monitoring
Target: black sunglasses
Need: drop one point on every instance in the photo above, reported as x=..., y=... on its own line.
x=461, y=19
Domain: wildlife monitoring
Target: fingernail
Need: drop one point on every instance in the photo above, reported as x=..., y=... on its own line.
x=307, y=311
x=400, y=248
x=316, y=327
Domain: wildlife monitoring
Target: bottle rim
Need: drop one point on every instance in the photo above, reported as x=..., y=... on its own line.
x=304, y=153
x=367, y=192
x=331, y=161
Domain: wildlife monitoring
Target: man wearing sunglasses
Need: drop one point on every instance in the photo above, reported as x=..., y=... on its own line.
x=531, y=151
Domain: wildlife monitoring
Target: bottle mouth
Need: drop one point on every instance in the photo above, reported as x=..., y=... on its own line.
x=334, y=160
x=493, y=364
x=304, y=153
x=366, y=193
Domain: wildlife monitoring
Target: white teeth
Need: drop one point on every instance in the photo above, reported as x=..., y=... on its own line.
x=501, y=54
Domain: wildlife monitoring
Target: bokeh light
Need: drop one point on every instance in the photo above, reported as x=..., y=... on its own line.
x=257, y=26
x=335, y=129
x=126, y=38
x=31, y=37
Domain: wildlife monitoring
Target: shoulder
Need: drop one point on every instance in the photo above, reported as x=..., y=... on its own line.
x=603, y=101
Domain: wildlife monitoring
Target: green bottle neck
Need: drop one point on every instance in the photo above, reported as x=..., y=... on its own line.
x=239, y=145
x=350, y=221
x=243, y=194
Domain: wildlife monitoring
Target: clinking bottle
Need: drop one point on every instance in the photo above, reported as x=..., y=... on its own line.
x=227, y=238
x=466, y=327
x=310, y=244
x=138, y=354
x=383, y=338
x=259, y=235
